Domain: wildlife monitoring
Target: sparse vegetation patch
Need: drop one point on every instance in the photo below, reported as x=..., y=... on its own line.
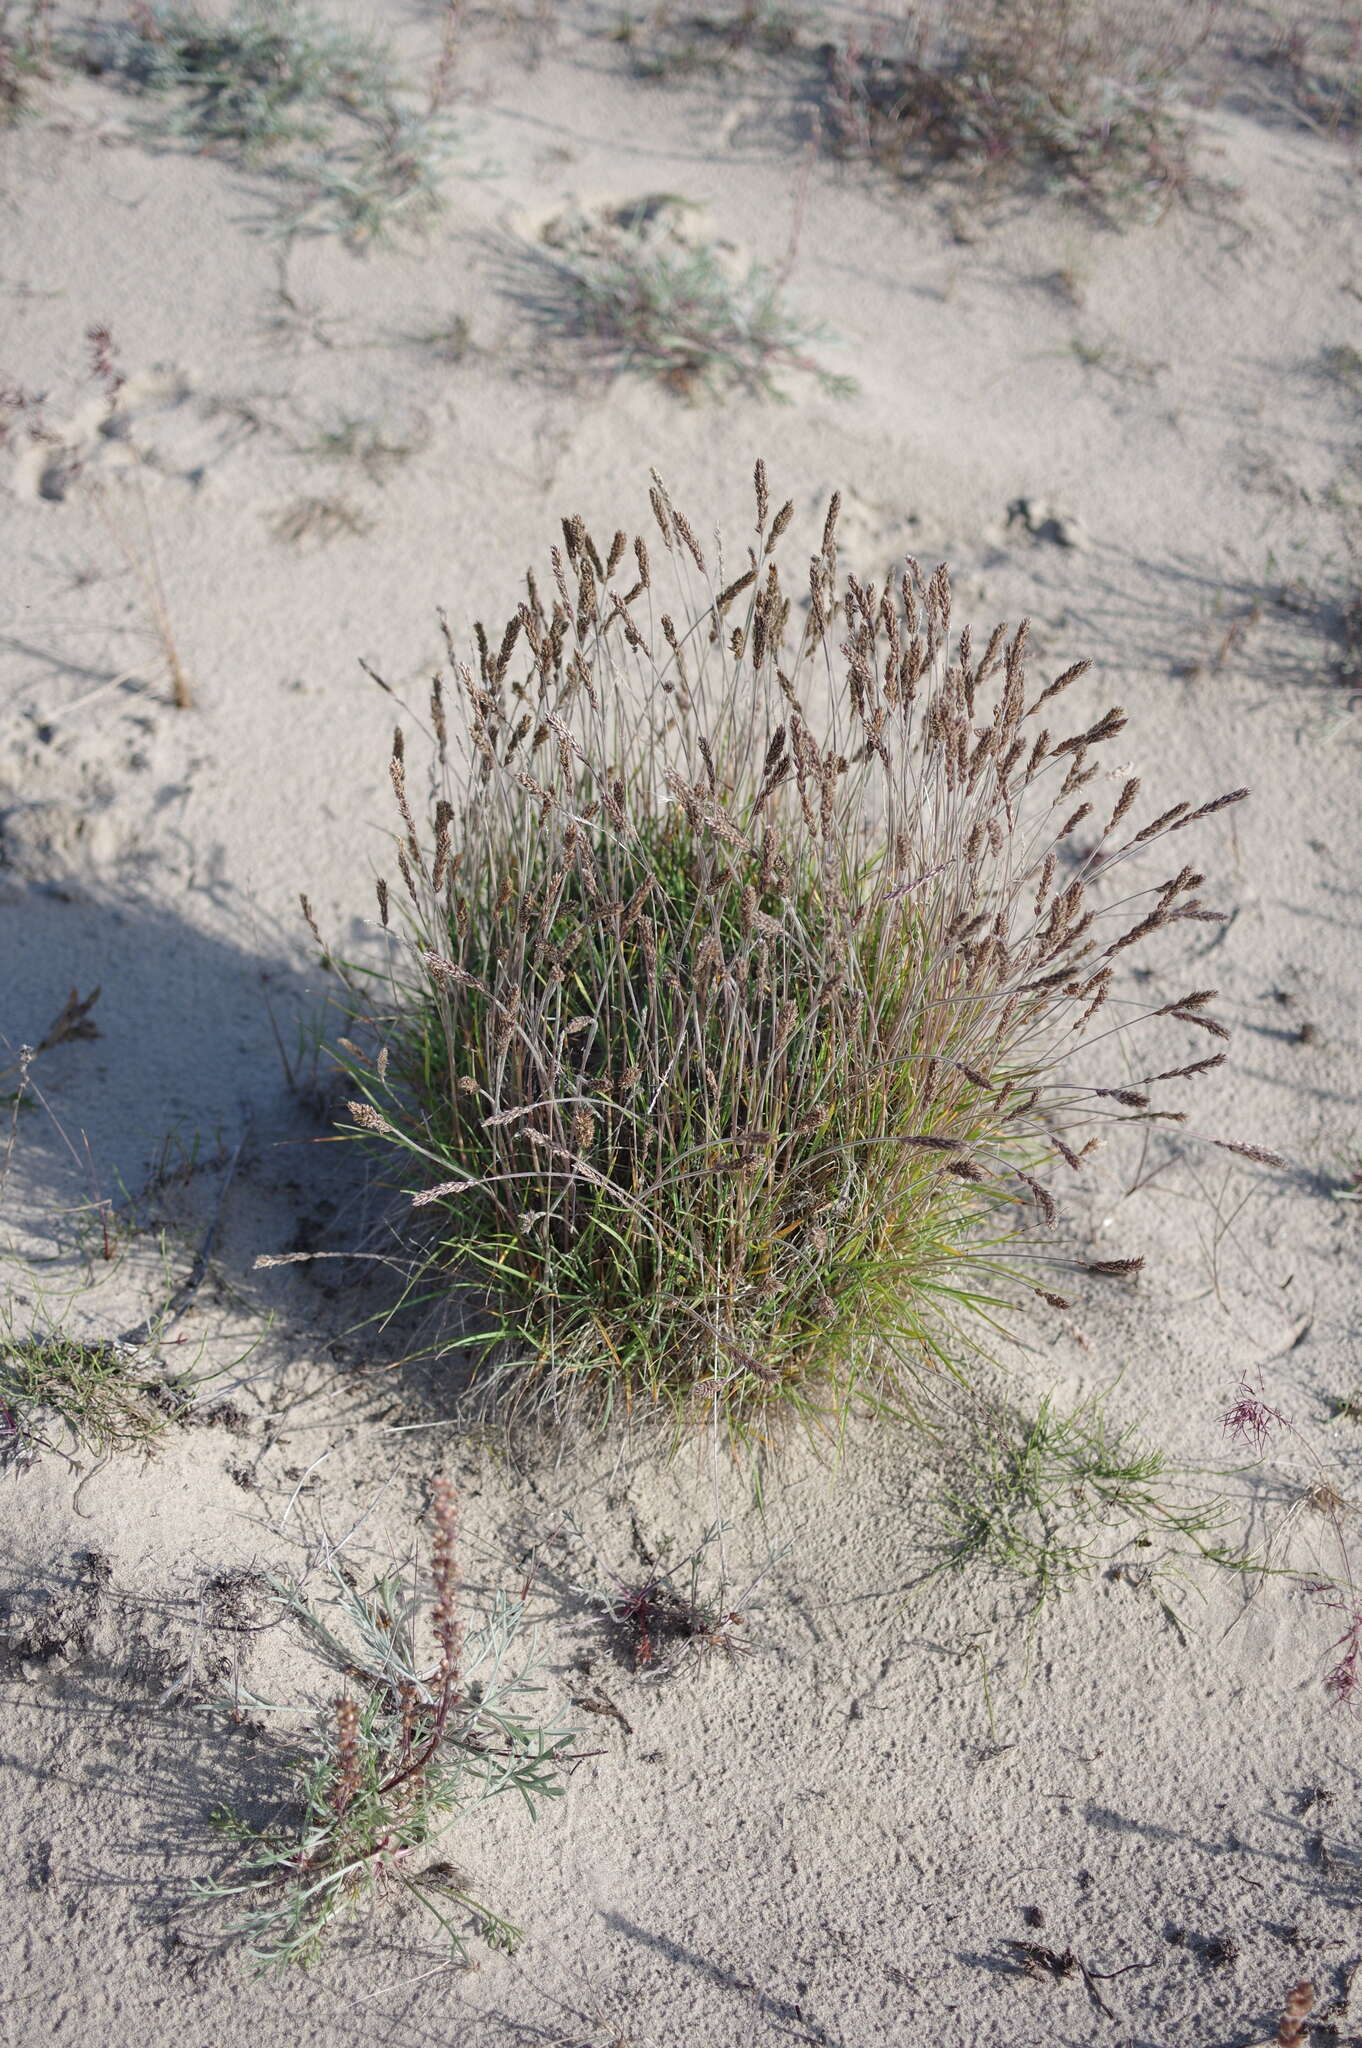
x=1069, y=94
x=641, y=288
x=411, y=1745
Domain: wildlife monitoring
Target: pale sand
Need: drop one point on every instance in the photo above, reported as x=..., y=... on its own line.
x=832, y=1839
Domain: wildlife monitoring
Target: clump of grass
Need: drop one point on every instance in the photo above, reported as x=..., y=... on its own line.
x=1063, y=91
x=410, y=1747
x=352, y=438
x=275, y=80
x=641, y=291
x=449, y=340
x=390, y=179
x=1063, y=1496
x=1342, y=364
x=755, y=971
x=62, y=1394
x=669, y=45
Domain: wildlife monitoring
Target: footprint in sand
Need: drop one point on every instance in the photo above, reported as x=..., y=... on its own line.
x=154, y=421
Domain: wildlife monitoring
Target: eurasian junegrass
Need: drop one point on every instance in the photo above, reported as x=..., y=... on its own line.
x=746, y=972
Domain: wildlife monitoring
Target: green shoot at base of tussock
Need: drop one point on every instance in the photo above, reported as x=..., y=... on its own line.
x=410, y=1747
x=755, y=969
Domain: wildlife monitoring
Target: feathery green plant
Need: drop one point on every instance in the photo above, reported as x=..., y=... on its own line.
x=275, y=78
x=421, y=1746
x=265, y=77
x=389, y=179
x=1054, y=1499
x=754, y=970
x=272, y=73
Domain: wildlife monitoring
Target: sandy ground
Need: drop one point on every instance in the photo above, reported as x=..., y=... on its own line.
x=834, y=1838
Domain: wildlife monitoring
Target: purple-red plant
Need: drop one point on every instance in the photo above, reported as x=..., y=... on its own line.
x=1343, y=1676
x=1249, y=1418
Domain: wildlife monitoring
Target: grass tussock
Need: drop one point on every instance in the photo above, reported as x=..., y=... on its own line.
x=1073, y=95
x=257, y=80
x=760, y=960
x=309, y=520
x=1320, y=64
x=1081, y=97
x=414, y=1743
x=666, y=43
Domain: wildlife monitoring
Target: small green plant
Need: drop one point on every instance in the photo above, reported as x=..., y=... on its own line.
x=755, y=970
x=675, y=1613
x=388, y=180
x=665, y=45
x=642, y=292
x=1067, y=91
x=277, y=83
x=1342, y=364
x=363, y=442
x=64, y=1394
x=1066, y=1495
x=450, y=340
x=409, y=1747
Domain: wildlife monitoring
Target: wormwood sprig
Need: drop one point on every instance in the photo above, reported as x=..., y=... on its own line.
x=389, y=178
x=275, y=83
x=271, y=73
x=416, y=1745
x=749, y=975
